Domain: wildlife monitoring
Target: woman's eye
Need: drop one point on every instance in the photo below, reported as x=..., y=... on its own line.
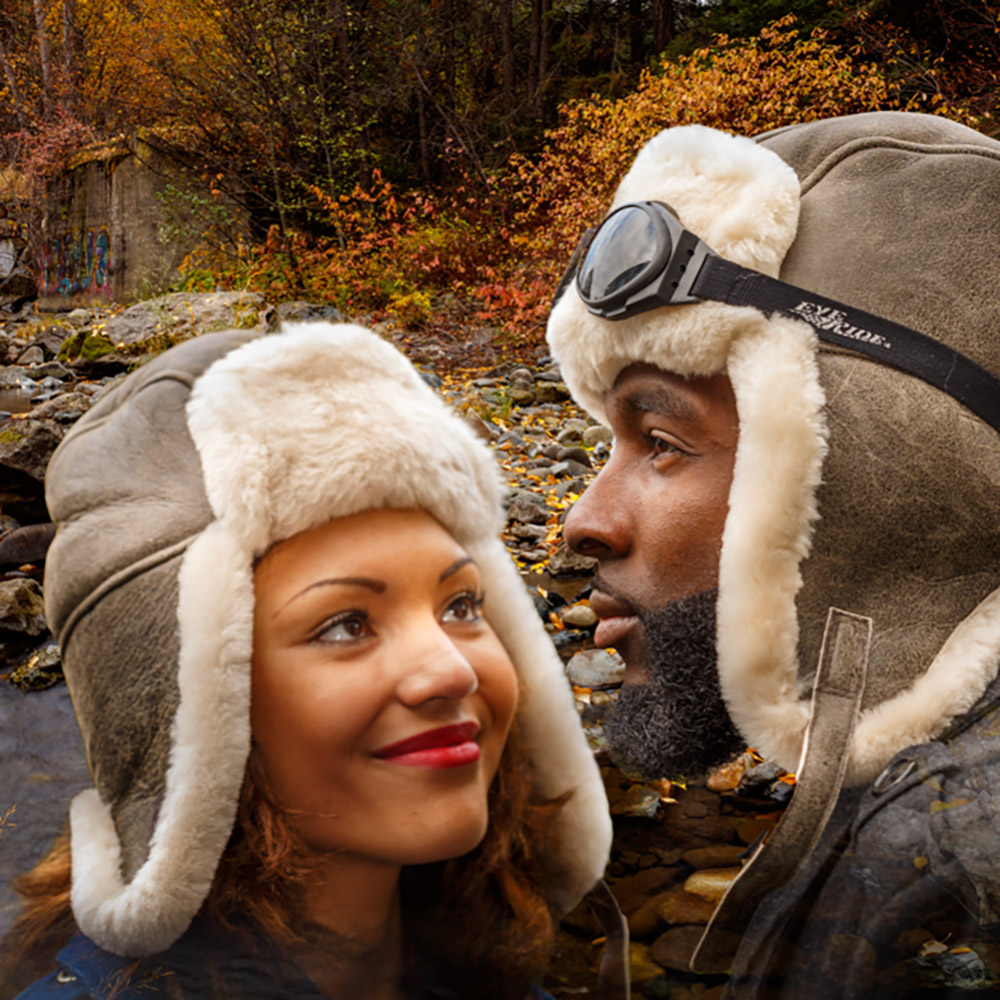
x=349, y=627
x=464, y=608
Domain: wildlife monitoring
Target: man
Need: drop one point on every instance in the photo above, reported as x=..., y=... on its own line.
x=798, y=529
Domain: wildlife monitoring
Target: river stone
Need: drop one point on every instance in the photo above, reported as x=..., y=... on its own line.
x=50, y=369
x=598, y=435
x=642, y=968
x=632, y=891
x=751, y=830
x=521, y=375
x=711, y=883
x=569, y=468
x=595, y=668
x=580, y=616
x=572, y=431
x=521, y=394
x=714, y=856
x=526, y=512
x=186, y=314
x=299, y=312
x=727, y=776
x=574, y=454
x=565, y=562
x=42, y=669
x=532, y=531
x=550, y=375
x=757, y=779
x=551, y=392
x=683, y=907
x=673, y=950
x=79, y=317
x=19, y=284
x=21, y=606
x=34, y=355
x=646, y=920
x=27, y=445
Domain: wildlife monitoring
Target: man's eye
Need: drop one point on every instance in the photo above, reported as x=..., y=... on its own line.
x=662, y=445
x=347, y=627
x=464, y=608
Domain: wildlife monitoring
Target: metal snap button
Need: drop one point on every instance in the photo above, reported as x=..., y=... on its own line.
x=893, y=775
x=62, y=976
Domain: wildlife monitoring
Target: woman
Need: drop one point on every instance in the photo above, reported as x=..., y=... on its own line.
x=334, y=753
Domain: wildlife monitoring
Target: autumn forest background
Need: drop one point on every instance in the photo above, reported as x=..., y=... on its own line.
x=434, y=161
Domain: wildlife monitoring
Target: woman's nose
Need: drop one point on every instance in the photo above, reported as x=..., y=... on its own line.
x=436, y=669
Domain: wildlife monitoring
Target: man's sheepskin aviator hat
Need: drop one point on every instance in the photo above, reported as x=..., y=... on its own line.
x=855, y=486
x=164, y=495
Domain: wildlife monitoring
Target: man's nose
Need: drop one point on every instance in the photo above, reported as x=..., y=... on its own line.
x=598, y=523
x=436, y=668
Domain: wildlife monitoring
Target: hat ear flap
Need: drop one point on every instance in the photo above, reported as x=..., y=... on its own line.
x=209, y=749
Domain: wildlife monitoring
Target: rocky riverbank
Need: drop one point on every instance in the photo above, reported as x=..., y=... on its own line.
x=676, y=848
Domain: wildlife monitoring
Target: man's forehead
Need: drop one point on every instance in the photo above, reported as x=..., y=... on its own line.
x=644, y=388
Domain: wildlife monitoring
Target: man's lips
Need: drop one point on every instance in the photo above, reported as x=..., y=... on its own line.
x=448, y=746
x=617, y=618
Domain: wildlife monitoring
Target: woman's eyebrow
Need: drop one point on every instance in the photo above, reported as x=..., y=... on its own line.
x=378, y=586
x=455, y=567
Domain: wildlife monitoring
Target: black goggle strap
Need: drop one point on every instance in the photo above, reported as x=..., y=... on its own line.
x=853, y=329
x=582, y=246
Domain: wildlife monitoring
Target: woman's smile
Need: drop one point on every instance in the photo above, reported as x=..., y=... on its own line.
x=447, y=746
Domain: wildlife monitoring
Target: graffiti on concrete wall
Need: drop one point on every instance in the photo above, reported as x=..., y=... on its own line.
x=77, y=262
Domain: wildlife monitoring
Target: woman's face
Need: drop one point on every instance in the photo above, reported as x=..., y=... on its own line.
x=381, y=698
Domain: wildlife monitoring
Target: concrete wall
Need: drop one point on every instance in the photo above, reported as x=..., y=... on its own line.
x=102, y=230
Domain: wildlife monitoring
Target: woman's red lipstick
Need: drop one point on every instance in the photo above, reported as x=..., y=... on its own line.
x=449, y=746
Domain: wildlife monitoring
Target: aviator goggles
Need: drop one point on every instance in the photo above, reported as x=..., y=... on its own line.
x=642, y=258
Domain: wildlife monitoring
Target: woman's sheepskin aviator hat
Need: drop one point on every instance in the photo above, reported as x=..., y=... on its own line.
x=855, y=486
x=164, y=494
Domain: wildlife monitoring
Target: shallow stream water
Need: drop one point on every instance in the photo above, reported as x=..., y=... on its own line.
x=14, y=401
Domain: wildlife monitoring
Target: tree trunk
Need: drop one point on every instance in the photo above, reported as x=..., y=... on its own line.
x=44, y=57
x=71, y=58
x=663, y=24
x=534, y=33
x=507, y=54
x=636, y=34
x=543, y=53
x=421, y=61
x=448, y=55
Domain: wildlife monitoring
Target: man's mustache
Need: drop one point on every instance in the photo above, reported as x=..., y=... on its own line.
x=631, y=606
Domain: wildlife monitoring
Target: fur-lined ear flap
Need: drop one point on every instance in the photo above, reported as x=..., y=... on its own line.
x=561, y=759
x=211, y=741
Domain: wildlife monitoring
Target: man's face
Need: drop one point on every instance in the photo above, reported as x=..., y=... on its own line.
x=654, y=519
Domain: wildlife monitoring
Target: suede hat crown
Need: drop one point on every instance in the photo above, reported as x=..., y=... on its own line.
x=855, y=486
x=164, y=494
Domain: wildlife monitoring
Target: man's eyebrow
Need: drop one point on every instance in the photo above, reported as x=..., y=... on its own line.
x=378, y=586
x=455, y=567
x=656, y=399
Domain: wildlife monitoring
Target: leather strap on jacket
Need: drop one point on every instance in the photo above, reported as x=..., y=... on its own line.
x=613, y=978
x=836, y=704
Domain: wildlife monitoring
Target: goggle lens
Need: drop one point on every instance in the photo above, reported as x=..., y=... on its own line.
x=623, y=248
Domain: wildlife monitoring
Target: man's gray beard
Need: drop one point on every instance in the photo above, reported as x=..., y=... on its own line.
x=676, y=724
